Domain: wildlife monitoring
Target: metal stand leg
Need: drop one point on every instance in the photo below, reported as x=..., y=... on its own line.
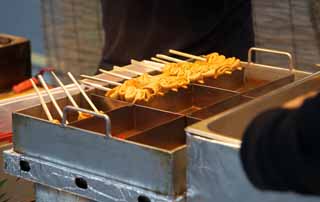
x=47, y=194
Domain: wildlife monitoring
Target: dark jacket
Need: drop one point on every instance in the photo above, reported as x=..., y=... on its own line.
x=140, y=29
x=280, y=149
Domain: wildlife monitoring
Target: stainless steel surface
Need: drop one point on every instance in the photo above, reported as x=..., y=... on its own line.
x=84, y=145
x=214, y=173
x=47, y=194
x=64, y=178
x=218, y=127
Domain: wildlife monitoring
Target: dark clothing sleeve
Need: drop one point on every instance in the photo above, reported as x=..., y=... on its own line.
x=280, y=149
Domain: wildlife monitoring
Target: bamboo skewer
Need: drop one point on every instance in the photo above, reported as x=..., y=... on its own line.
x=159, y=60
x=73, y=102
x=96, y=86
x=135, y=62
x=128, y=70
x=84, y=94
x=44, y=105
x=54, y=102
x=115, y=74
x=187, y=55
x=157, y=64
x=101, y=80
x=172, y=59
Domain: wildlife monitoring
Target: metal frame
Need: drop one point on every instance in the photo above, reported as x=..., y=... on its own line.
x=73, y=151
x=63, y=178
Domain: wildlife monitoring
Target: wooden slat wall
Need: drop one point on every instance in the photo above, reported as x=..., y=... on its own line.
x=287, y=25
x=73, y=34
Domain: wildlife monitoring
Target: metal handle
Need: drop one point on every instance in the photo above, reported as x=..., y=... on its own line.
x=291, y=63
x=71, y=108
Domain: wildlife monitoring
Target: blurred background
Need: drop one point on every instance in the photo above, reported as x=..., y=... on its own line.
x=68, y=34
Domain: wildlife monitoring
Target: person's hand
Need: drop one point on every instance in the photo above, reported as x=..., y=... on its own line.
x=298, y=101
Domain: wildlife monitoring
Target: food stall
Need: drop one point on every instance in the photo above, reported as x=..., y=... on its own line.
x=87, y=142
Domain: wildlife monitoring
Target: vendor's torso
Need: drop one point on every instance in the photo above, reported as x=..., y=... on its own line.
x=139, y=29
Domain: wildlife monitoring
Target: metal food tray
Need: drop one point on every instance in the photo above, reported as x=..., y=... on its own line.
x=141, y=145
x=220, y=136
x=220, y=107
x=253, y=80
x=186, y=101
x=125, y=155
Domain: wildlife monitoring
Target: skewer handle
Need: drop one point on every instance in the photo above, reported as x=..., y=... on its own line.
x=251, y=50
x=172, y=59
x=96, y=86
x=187, y=55
x=135, y=62
x=101, y=80
x=44, y=105
x=73, y=102
x=159, y=60
x=114, y=74
x=100, y=115
x=84, y=94
x=128, y=70
x=54, y=102
x=157, y=64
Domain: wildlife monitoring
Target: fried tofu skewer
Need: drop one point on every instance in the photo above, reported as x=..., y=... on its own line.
x=175, y=74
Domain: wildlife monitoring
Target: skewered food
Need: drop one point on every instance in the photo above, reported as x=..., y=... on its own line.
x=174, y=76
